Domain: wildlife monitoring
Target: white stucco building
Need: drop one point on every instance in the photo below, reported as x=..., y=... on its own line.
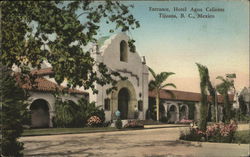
x=130, y=98
x=131, y=94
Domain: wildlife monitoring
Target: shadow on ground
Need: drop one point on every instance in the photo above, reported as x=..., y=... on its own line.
x=89, y=147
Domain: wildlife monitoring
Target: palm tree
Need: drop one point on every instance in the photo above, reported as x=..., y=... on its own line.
x=212, y=92
x=157, y=84
x=203, y=71
x=223, y=88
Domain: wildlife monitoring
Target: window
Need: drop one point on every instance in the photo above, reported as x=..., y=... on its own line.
x=107, y=104
x=123, y=51
x=140, y=105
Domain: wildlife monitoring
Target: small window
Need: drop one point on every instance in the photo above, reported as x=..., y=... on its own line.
x=107, y=104
x=140, y=105
x=123, y=51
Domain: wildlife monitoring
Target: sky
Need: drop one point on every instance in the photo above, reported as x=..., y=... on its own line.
x=176, y=44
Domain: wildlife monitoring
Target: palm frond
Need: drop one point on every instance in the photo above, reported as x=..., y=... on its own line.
x=168, y=85
x=152, y=72
x=225, y=86
x=221, y=78
x=203, y=71
x=163, y=76
x=152, y=85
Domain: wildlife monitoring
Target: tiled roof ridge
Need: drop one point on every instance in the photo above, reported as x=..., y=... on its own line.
x=174, y=90
x=45, y=85
x=185, y=95
x=43, y=71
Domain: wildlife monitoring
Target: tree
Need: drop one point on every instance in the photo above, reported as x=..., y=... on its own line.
x=212, y=91
x=242, y=105
x=203, y=71
x=13, y=113
x=157, y=84
x=213, y=94
x=55, y=31
x=223, y=88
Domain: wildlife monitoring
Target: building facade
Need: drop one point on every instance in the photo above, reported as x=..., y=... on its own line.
x=131, y=96
x=182, y=105
x=42, y=98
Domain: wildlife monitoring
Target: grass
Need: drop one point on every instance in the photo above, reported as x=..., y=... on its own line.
x=242, y=136
x=55, y=131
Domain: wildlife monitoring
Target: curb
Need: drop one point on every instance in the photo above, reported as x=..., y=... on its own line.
x=99, y=131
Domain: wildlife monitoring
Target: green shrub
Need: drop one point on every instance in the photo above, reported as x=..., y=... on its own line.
x=70, y=114
x=118, y=123
x=192, y=135
x=242, y=137
x=164, y=119
x=106, y=124
x=64, y=113
x=13, y=114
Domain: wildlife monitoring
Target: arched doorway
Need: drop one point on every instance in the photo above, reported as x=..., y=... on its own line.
x=123, y=100
x=173, y=113
x=39, y=114
x=183, y=112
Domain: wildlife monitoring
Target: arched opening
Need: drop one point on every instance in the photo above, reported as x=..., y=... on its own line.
x=183, y=112
x=125, y=94
x=39, y=114
x=123, y=51
x=123, y=100
x=173, y=113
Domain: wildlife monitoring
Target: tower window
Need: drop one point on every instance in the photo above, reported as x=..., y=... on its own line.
x=123, y=51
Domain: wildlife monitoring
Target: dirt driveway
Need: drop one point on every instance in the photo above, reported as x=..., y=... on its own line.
x=139, y=143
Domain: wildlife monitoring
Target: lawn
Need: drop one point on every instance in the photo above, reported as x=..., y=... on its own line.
x=54, y=131
x=242, y=136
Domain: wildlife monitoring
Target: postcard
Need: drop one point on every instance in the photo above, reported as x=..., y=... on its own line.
x=147, y=78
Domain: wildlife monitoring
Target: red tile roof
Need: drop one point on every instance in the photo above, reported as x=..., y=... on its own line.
x=184, y=96
x=45, y=71
x=44, y=85
x=179, y=95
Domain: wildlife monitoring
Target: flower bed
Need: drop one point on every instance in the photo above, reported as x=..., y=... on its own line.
x=94, y=121
x=185, y=121
x=215, y=133
x=134, y=124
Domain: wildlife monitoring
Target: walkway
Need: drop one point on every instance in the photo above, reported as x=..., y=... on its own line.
x=139, y=143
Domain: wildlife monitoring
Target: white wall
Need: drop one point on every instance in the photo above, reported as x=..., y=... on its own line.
x=109, y=54
x=51, y=101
